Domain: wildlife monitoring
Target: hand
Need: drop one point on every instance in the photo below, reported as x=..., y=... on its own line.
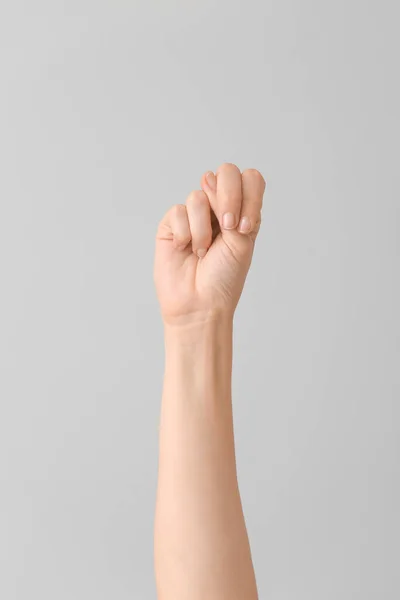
x=204, y=248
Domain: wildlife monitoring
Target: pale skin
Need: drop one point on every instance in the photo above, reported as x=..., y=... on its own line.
x=203, y=253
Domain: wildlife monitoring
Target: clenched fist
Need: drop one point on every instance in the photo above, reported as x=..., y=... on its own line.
x=204, y=248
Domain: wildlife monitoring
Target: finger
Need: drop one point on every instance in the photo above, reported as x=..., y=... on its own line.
x=208, y=184
x=253, y=187
x=199, y=214
x=229, y=196
x=175, y=226
x=224, y=190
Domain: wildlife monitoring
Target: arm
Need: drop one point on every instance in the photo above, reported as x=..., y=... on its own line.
x=201, y=543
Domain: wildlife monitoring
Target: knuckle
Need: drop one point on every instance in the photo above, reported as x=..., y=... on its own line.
x=227, y=166
x=254, y=174
x=178, y=210
x=196, y=197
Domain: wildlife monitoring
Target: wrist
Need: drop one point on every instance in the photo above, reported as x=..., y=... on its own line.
x=200, y=327
x=198, y=357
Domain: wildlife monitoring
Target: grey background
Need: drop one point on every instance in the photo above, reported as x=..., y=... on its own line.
x=110, y=112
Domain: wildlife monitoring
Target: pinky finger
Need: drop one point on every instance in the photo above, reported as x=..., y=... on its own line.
x=180, y=228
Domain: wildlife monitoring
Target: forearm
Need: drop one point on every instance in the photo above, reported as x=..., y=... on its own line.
x=201, y=545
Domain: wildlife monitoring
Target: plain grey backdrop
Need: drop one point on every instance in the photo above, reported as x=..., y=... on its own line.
x=110, y=113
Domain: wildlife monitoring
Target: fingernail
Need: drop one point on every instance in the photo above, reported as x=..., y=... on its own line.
x=228, y=221
x=244, y=225
x=211, y=180
x=201, y=253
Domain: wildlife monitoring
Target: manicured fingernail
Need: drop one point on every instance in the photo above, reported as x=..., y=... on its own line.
x=211, y=180
x=201, y=253
x=244, y=225
x=228, y=221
